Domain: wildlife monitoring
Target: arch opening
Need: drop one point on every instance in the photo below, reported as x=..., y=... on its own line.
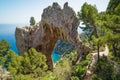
x=61, y=48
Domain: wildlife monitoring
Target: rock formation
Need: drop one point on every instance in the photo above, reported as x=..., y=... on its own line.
x=56, y=24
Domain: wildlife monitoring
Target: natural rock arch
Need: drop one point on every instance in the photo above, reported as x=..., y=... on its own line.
x=56, y=24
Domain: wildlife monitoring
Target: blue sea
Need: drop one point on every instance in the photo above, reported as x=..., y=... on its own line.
x=7, y=32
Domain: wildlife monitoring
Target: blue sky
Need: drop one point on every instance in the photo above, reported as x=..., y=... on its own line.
x=20, y=11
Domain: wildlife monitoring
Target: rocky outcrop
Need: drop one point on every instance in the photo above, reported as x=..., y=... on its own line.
x=56, y=24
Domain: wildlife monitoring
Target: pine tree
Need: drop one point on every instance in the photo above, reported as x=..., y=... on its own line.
x=32, y=21
x=111, y=20
x=90, y=17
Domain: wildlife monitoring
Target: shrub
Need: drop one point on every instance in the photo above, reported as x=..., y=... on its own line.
x=32, y=21
x=31, y=63
x=62, y=69
x=74, y=78
x=104, y=69
x=79, y=69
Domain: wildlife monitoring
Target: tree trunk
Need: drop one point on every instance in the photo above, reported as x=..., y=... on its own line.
x=95, y=31
x=98, y=46
x=114, y=50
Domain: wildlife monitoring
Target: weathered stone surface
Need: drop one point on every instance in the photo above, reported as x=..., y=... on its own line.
x=56, y=24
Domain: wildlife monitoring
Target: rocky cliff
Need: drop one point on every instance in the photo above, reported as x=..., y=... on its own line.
x=56, y=24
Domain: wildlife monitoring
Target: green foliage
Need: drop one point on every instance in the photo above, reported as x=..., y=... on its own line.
x=32, y=63
x=5, y=53
x=92, y=21
x=116, y=76
x=104, y=70
x=95, y=77
x=111, y=20
x=15, y=66
x=74, y=78
x=20, y=77
x=48, y=76
x=117, y=9
x=79, y=69
x=88, y=14
x=62, y=69
x=114, y=44
x=101, y=40
x=113, y=4
x=4, y=47
x=32, y=21
x=85, y=38
x=72, y=57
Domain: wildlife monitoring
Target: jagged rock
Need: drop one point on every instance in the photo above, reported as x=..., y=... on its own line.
x=56, y=24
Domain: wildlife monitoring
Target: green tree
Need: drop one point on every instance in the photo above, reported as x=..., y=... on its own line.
x=4, y=47
x=32, y=21
x=90, y=18
x=104, y=70
x=111, y=21
x=15, y=67
x=62, y=70
x=89, y=15
x=112, y=6
x=32, y=64
x=4, y=51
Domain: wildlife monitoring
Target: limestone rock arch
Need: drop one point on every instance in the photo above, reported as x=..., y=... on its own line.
x=56, y=24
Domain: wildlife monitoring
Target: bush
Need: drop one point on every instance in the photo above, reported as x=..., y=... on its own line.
x=32, y=21
x=116, y=76
x=32, y=63
x=62, y=69
x=104, y=69
x=95, y=77
x=80, y=69
x=74, y=78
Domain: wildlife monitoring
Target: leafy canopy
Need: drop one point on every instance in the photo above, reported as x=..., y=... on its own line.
x=88, y=14
x=4, y=47
x=32, y=63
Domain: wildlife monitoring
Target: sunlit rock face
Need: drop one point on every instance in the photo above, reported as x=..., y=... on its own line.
x=56, y=24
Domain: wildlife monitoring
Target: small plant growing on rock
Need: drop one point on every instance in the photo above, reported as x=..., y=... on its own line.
x=32, y=21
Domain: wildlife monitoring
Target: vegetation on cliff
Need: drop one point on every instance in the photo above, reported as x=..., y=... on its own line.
x=32, y=21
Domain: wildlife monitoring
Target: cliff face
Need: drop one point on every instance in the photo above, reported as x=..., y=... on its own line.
x=56, y=24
